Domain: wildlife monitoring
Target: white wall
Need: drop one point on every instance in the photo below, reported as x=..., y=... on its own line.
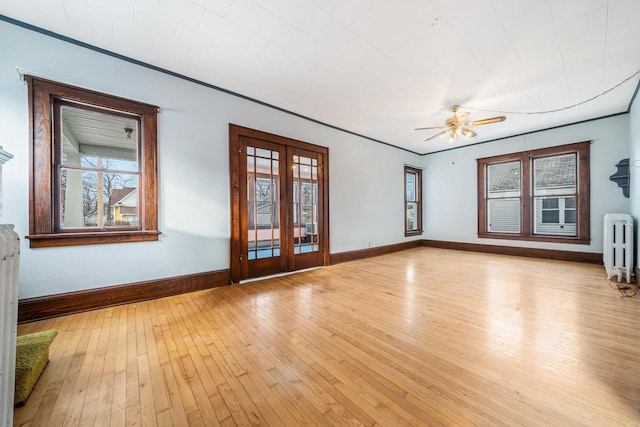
x=451, y=206
x=634, y=160
x=366, y=178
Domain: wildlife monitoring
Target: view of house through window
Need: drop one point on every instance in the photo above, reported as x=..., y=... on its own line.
x=98, y=171
x=503, y=194
x=538, y=194
x=554, y=195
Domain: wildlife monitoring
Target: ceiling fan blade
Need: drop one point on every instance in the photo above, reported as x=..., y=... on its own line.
x=487, y=121
x=462, y=117
x=468, y=133
x=431, y=128
x=436, y=135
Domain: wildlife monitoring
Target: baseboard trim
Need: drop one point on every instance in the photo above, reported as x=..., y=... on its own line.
x=341, y=257
x=586, y=257
x=38, y=308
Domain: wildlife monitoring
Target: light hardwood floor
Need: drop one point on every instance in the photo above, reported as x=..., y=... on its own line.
x=424, y=336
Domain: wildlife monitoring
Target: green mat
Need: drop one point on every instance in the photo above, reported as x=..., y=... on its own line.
x=32, y=356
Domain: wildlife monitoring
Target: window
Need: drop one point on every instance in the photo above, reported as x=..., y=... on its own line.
x=503, y=197
x=536, y=195
x=556, y=210
x=93, y=171
x=412, y=201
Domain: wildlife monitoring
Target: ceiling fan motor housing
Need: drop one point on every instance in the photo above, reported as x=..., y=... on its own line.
x=457, y=124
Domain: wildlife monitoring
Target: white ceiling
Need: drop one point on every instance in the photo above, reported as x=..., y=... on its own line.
x=379, y=68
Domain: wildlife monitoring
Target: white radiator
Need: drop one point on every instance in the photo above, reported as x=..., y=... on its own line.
x=9, y=266
x=617, y=251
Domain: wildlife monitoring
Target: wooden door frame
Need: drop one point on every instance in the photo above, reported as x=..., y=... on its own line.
x=236, y=134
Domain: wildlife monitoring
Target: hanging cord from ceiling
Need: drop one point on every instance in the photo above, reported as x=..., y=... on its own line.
x=593, y=98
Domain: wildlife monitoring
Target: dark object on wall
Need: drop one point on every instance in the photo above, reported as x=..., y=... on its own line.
x=622, y=176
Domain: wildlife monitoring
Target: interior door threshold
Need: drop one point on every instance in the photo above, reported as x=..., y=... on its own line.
x=286, y=273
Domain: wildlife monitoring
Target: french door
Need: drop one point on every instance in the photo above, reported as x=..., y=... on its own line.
x=279, y=216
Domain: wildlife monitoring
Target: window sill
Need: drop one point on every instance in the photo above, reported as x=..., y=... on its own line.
x=413, y=233
x=550, y=239
x=96, y=238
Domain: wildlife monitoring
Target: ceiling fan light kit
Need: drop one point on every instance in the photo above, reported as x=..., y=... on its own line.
x=457, y=125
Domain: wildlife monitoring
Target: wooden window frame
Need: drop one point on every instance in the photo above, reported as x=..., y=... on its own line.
x=418, y=173
x=43, y=94
x=581, y=149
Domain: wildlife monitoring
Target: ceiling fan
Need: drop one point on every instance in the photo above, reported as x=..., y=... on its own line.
x=457, y=125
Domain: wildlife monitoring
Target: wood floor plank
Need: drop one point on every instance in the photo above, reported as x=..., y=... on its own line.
x=92, y=398
x=133, y=406
x=118, y=416
x=147, y=361
x=154, y=354
x=68, y=401
x=214, y=394
x=105, y=396
x=422, y=337
x=83, y=385
x=176, y=409
x=180, y=375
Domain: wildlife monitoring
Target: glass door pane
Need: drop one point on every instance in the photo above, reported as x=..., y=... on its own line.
x=305, y=205
x=263, y=194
